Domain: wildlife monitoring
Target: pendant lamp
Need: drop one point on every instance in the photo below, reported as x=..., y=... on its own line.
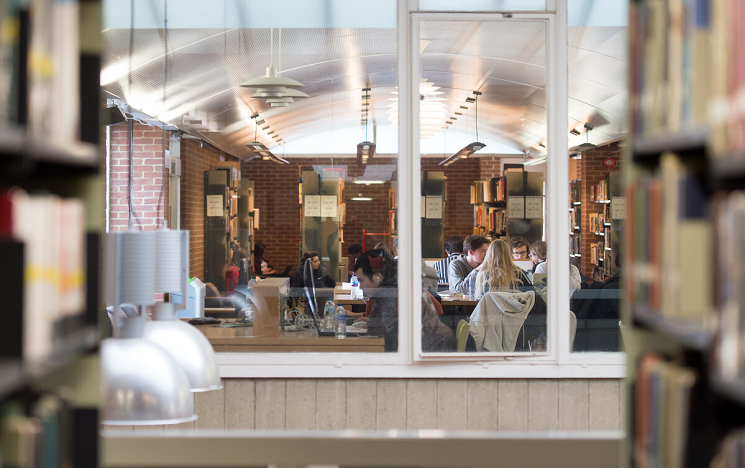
x=142, y=384
x=470, y=148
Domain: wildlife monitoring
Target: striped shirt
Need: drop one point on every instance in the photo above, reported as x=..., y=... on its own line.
x=443, y=266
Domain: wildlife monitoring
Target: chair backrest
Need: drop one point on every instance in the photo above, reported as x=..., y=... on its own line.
x=572, y=329
x=461, y=335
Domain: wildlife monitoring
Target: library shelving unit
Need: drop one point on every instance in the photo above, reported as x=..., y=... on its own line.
x=575, y=221
x=685, y=287
x=51, y=217
x=489, y=207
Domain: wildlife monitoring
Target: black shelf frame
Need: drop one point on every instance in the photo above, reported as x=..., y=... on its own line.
x=691, y=335
x=23, y=155
x=650, y=147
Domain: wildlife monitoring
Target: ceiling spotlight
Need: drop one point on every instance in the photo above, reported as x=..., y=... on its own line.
x=542, y=144
x=464, y=107
x=459, y=113
x=574, y=132
x=470, y=99
x=255, y=115
x=265, y=127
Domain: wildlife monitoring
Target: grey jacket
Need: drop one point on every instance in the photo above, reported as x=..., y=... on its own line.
x=497, y=319
x=459, y=274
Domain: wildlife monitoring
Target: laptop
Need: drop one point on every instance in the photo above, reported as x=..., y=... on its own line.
x=526, y=265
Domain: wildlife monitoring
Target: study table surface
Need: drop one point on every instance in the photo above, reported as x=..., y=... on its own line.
x=241, y=340
x=346, y=299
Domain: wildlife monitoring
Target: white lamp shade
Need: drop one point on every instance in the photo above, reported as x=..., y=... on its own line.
x=190, y=349
x=143, y=385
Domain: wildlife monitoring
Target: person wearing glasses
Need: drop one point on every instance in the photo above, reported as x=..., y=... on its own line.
x=520, y=247
x=538, y=256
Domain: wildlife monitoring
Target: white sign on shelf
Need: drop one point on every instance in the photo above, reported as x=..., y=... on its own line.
x=214, y=205
x=434, y=208
x=256, y=218
x=328, y=206
x=618, y=208
x=424, y=206
x=534, y=207
x=312, y=206
x=516, y=207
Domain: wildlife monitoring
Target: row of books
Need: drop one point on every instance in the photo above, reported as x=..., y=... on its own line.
x=662, y=404
x=597, y=253
x=600, y=191
x=674, y=62
x=575, y=191
x=52, y=230
x=491, y=219
x=50, y=72
x=597, y=222
x=669, y=239
x=575, y=244
x=575, y=218
x=41, y=438
x=488, y=191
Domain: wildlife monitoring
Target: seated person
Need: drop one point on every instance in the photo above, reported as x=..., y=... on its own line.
x=538, y=256
x=233, y=270
x=519, y=246
x=499, y=273
x=597, y=308
x=464, y=267
x=262, y=267
x=453, y=248
x=321, y=278
x=377, y=273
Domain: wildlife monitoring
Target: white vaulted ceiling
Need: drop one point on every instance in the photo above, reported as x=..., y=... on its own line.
x=505, y=59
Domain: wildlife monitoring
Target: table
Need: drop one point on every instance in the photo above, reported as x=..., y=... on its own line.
x=241, y=340
x=346, y=299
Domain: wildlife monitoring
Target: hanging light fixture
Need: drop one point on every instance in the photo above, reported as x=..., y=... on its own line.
x=278, y=91
x=471, y=148
x=432, y=112
x=366, y=149
x=258, y=149
x=141, y=383
x=587, y=145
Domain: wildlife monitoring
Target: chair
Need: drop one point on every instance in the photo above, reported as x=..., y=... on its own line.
x=461, y=335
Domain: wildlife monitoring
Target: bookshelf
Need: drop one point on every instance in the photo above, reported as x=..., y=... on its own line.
x=684, y=244
x=575, y=220
x=51, y=216
x=489, y=207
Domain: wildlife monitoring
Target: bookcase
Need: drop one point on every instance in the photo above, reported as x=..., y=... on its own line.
x=684, y=241
x=51, y=217
x=489, y=207
x=524, y=197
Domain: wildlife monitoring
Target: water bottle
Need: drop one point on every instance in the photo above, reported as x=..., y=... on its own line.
x=472, y=287
x=328, y=315
x=340, y=330
x=355, y=293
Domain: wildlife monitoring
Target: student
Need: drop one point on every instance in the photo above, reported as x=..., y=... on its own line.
x=377, y=273
x=464, y=266
x=321, y=279
x=538, y=256
x=519, y=246
x=499, y=273
x=233, y=270
x=453, y=248
x=262, y=266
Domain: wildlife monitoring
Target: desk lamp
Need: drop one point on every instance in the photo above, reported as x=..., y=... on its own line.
x=141, y=382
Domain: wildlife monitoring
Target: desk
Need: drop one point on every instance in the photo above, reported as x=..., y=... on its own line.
x=346, y=299
x=241, y=340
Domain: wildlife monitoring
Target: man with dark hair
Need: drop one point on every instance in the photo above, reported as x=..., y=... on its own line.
x=354, y=251
x=520, y=247
x=454, y=248
x=464, y=266
x=321, y=279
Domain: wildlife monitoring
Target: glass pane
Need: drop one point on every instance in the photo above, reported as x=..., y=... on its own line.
x=482, y=5
x=282, y=191
x=483, y=147
x=597, y=104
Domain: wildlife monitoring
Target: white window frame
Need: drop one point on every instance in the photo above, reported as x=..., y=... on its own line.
x=409, y=361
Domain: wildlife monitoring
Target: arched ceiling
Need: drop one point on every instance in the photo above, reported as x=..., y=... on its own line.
x=506, y=60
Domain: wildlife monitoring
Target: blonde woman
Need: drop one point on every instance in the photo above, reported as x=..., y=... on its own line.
x=499, y=273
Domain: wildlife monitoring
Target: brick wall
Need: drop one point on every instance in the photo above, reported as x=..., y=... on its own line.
x=592, y=171
x=276, y=196
x=150, y=194
x=194, y=161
